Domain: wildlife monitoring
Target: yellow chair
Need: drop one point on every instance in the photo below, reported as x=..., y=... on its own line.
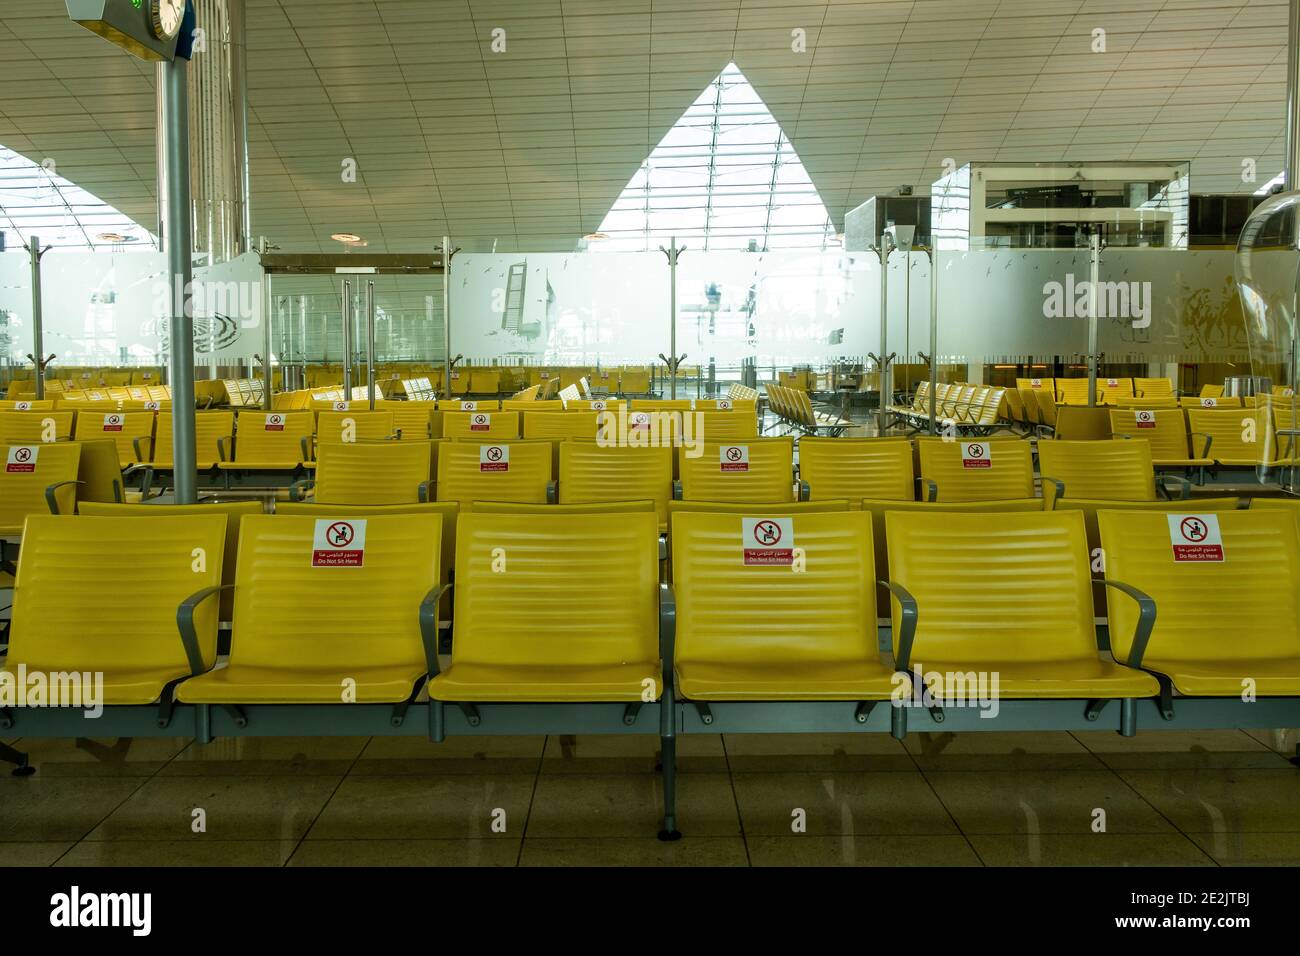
x=1073, y=391
x=37, y=479
x=1091, y=506
x=413, y=421
x=1011, y=597
x=1105, y=470
x=213, y=440
x=1164, y=428
x=504, y=471
x=480, y=425
x=1211, y=401
x=516, y=634
x=234, y=511
x=369, y=473
x=726, y=426
x=270, y=441
x=121, y=618
x=472, y=405
x=127, y=429
x=590, y=473
x=27, y=405
x=750, y=629
x=329, y=611
x=759, y=470
x=587, y=508
x=100, y=475
x=1109, y=390
x=1238, y=437
x=560, y=424
x=355, y=426
x=982, y=470
x=856, y=468
x=1222, y=626
x=28, y=428
x=1153, y=388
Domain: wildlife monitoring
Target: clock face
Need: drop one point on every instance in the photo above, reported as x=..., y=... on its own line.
x=165, y=17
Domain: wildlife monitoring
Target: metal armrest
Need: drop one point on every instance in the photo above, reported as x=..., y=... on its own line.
x=298, y=487
x=53, y=502
x=224, y=452
x=185, y=624
x=1146, y=619
x=305, y=443
x=552, y=492
x=429, y=625
x=1060, y=487
x=667, y=638
x=135, y=443
x=424, y=492
x=931, y=488
x=805, y=492
x=1209, y=440
x=1184, y=484
x=677, y=489
x=906, y=633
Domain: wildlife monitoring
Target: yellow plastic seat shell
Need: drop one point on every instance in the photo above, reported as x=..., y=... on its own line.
x=466, y=475
x=1219, y=624
x=857, y=468
x=35, y=469
x=303, y=633
x=755, y=632
x=1011, y=597
x=1120, y=470
x=591, y=473
x=762, y=471
x=1006, y=470
x=120, y=617
x=372, y=473
x=550, y=628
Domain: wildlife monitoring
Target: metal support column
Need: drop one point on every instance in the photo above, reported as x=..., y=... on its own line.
x=934, y=330
x=239, y=100
x=672, y=359
x=370, y=343
x=446, y=316
x=882, y=360
x=177, y=238
x=38, y=319
x=1094, y=275
x=347, y=340
x=267, y=307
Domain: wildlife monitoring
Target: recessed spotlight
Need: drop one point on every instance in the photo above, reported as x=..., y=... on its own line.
x=595, y=236
x=345, y=237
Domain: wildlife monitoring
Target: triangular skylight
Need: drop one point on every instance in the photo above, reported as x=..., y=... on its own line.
x=725, y=177
x=36, y=200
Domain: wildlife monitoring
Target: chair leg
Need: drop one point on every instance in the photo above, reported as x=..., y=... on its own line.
x=668, y=747
x=10, y=755
x=1296, y=759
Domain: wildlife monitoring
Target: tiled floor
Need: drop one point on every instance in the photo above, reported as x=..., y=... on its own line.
x=1213, y=798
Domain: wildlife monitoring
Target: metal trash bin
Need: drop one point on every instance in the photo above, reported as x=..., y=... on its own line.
x=1241, y=386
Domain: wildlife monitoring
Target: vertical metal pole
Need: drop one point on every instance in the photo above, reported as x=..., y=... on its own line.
x=672, y=313
x=883, y=363
x=239, y=101
x=302, y=341
x=38, y=319
x=267, y=382
x=1094, y=275
x=370, y=343
x=347, y=340
x=178, y=239
x=446, y=316
x=934, y=329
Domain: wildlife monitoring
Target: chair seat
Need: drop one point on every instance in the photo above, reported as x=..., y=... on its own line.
x=170, y=466
x=236, y=684
x=286, y=465
x=1273, y=677
x=119, y=687
x=794, y=680
x=1182, y=462
x=1083, y=677
x=527, y=682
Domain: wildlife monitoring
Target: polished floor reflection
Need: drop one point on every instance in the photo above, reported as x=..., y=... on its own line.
x=1211, y=798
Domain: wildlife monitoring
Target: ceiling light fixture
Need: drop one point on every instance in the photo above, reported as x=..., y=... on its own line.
x=114, y=237
x=595, y=236
x=345, y=237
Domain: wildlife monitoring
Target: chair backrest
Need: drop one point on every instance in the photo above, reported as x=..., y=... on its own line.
x=526, y=615
x=77, y=610
x=1046, y=408
x=235, y=512
x=1121, y=470
x=591, y=473
x=1165, y=429
x=123, y=427
x=1240, y=436
x=586, y=508
x=505, y=471
x=1153, y=388
x=271, y=438
x=725, y=425
x=1110, y=389
x=1089, y=507
x=480, y=425
x=372, y=473
x=1014, y=589
x=754, y=470
x=331, y=593
x=976, y=471
x=738, y=600
x=99, y=472
x=1221, y=582
x=474, y=405
x=820, y=506
x=857, y=468
x=1073, y=391
x=212, y=432
x=354, y=425
x=413, y=421
x=1211, y=391
x=1211, y=401
x=560, y=424
x=28, y=471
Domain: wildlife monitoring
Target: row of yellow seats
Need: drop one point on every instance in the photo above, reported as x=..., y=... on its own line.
x=1074, y=391
x=328, y=610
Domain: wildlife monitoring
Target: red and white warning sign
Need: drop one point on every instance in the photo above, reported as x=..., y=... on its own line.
x=493, y=457
x=598, y=406
x=1035, y=383
x=274, y=423
x=338, y=544
x=768, y=541
x=639, y=421
x=976, y=454
x=1112, y=383
x=1145, y=419
x=469, y=406
x=733, y=458
x=1195, y=537
x=1209, y=402
x=342, y=406
x=22, y=458
x=153, y=406
x=112, y=423
x=724, y=404
x=22, y=406
x=480, y=422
